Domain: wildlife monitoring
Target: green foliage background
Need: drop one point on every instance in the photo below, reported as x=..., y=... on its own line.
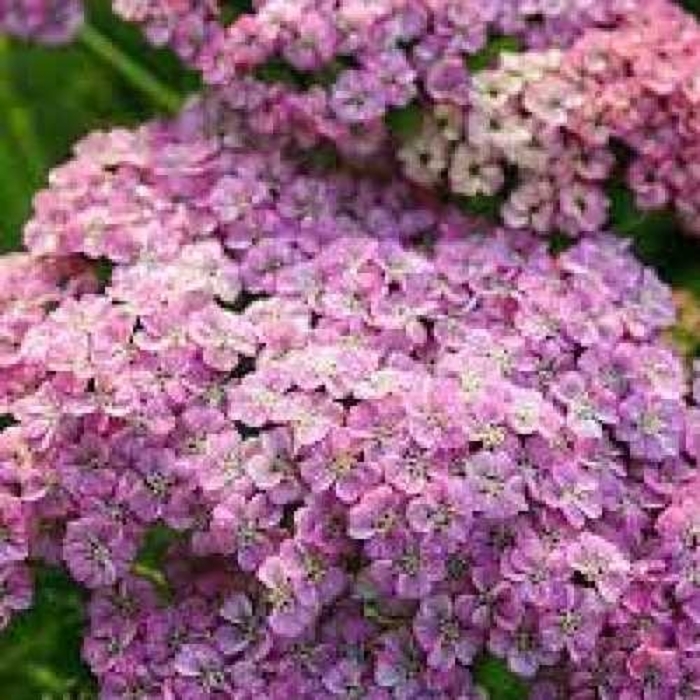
x=49, y=98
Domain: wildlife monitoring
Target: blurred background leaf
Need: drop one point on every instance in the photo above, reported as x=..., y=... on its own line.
x=40, y=651
x=493, y=676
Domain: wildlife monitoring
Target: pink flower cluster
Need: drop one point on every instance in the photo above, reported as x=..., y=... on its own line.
x=48, y=21
x=384, y=439
x=28, y=288
x=310, y=34
x=346, y=66
x=604, y=91
x=388, y=441
x=542, y=128
x=192, y=28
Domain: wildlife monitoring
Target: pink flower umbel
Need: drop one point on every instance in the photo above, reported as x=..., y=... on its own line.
x=47, y=21
x=368, y=439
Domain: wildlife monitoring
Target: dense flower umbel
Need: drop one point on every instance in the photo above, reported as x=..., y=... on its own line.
x=48, y=21
x=551, y=122
x=138, y=196
x=390, y=443
x=345, y=66
x=604, y=90
x=423, y=35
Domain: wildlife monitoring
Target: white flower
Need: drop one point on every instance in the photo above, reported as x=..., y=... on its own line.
x=425, y=158
x=474, y=172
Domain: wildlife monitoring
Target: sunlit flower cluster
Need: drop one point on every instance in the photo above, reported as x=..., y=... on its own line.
x=384, y=440
x=379, y=441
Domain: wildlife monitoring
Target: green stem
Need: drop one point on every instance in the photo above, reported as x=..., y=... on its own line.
x=629, y=227
x=133, y=72
x=19, y=121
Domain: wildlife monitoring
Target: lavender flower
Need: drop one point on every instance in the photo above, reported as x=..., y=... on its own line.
x=47, y=21
x=385, y=438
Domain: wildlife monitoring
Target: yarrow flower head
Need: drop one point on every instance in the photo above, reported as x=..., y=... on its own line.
x=384, y=438
x=378, y=459
x=541, y=106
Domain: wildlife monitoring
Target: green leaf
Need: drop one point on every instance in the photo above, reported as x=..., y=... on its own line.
x=131, y=70
x=277, y=71
x=329, y=74
x=657, y=239
x=233, y=9
x=406, y=122
x=489, y=55
x=493, y=675
x=692, y=6
x=560, y=242
x=625, y=217
x=156, y=543
x=6, y=421
x=685, y=335
x=151, y=556
x=40, y=651
x=481, y=205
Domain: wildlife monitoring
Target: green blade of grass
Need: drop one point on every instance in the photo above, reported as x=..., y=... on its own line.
x=104, y=48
